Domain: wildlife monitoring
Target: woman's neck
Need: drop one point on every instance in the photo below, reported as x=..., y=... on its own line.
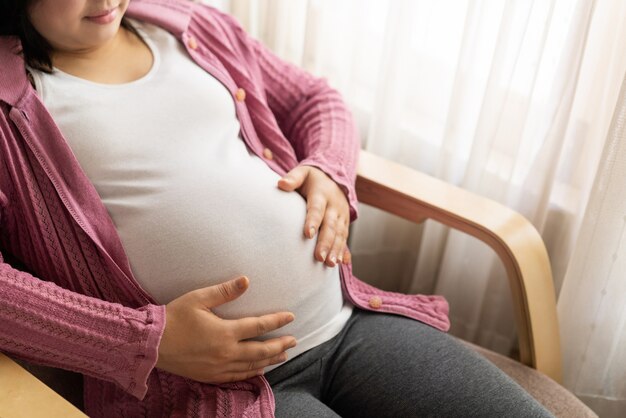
x=123, y=59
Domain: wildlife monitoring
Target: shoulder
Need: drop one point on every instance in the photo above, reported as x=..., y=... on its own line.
x=218, y=22
x=220, y=31
x=184, y=16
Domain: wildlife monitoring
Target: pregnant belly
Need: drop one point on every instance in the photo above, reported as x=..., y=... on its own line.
x=182, y=245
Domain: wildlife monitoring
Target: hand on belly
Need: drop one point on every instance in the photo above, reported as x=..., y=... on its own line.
x=326, y=205
x=199, y=345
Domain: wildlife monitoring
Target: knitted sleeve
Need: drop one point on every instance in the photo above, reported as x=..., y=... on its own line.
x=312, y=115
x=46, y=324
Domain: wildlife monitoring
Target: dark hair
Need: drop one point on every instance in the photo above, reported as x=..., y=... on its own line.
x=35, y=48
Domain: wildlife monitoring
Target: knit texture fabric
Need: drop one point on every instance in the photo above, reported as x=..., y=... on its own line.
x=68, y=298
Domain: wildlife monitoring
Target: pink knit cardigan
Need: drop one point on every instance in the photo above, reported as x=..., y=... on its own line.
x=68, y=297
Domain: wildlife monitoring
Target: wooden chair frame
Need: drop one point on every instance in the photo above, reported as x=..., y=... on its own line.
x=414, y=196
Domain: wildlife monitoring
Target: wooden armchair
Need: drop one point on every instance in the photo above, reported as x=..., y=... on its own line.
x=416, y=197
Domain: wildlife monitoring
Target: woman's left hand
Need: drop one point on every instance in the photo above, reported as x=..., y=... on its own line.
x=326, y=205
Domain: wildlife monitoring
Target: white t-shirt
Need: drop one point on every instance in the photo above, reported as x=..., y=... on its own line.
x=192, y=204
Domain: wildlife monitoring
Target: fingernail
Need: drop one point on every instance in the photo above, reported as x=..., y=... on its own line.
x=323, y=254
x=311, y=232
x=290, y=317
x=241, y=282
x=333, y=259
x=260, y=372
x=282, y=357
x=292, y=344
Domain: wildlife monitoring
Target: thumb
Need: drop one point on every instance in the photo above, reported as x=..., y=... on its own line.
x=293, y=179
x=225, y=292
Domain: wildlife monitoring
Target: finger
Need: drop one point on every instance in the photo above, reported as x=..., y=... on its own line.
x=327, y=235
x=347, y=255
x=254, y=326
x=262, y=350
x=336, y=249
x=224, y=292
x=346, y=233
x=245, y=366
x=294, y=179
x=315, y=208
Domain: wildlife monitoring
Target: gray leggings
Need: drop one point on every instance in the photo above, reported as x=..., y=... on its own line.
x=383, y=365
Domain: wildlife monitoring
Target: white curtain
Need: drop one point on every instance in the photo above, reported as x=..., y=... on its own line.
x=510, y=99
x=592, y=304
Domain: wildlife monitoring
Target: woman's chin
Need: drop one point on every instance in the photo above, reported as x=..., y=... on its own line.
x=96, y=35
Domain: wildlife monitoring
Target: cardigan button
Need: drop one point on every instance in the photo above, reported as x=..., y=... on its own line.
x=267, y=153
x=375, y=302
x=240, y=95
x=192, y=43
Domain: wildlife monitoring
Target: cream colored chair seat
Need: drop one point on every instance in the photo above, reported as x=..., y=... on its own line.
x=549, y=393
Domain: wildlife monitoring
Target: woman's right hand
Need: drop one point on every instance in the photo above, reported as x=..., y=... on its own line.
x=199, y=345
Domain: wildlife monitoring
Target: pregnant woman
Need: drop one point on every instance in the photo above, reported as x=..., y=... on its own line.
x=174, y=210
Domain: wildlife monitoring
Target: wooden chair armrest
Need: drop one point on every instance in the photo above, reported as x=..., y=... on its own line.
x=414, y=196
x=23, y=395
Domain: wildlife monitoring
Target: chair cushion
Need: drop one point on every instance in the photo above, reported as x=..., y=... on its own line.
x=546, y=391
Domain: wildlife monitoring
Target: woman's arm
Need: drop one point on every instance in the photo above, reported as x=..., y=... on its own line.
x=311, y=114
x=46, y=324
